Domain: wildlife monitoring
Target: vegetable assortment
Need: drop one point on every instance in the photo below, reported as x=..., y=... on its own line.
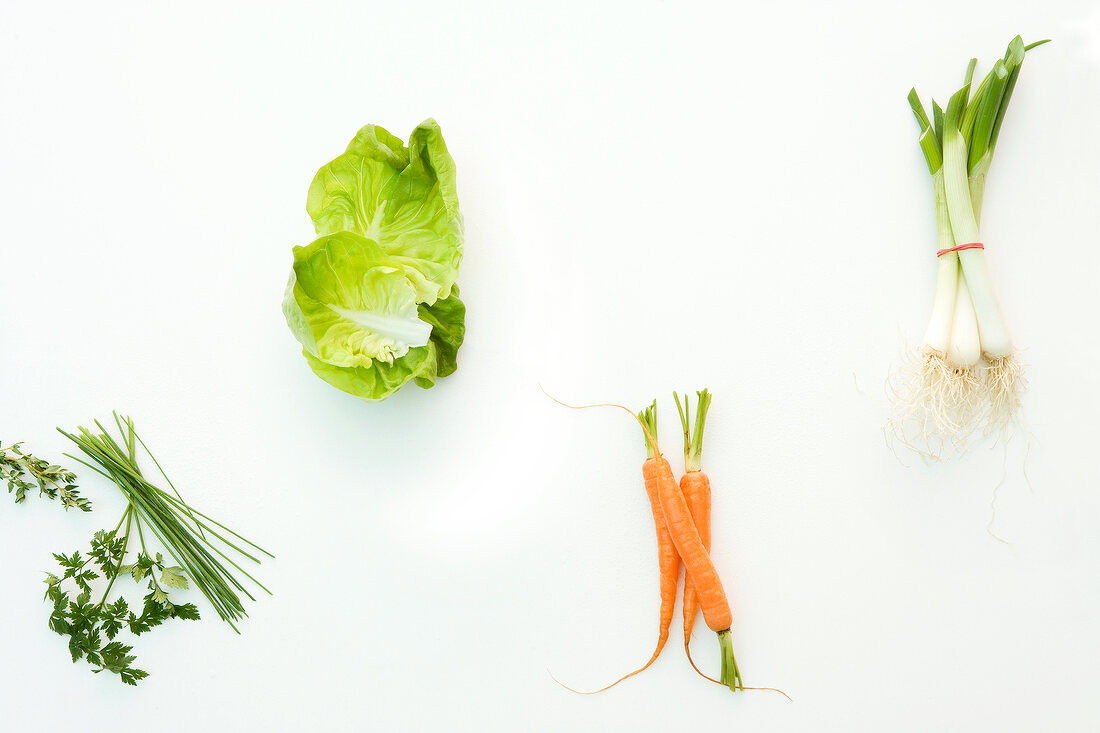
x=966, y=380
x=373, y=300
x=374, y=303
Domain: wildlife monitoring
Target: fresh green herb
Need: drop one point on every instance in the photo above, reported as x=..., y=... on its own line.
x=87, y=624
x=23, y=472
x=966, y=380
x=373, y=300
x=193, y=541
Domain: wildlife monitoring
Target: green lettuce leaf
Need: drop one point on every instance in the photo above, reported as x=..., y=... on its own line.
x=448, y=319
x=349, y=304
x=402, y=198
x=373, y=300
x=421, y=365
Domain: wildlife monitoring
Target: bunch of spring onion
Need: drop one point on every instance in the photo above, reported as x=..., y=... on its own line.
x=966, y=381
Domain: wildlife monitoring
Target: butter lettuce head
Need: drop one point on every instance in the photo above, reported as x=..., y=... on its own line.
x=373, y=300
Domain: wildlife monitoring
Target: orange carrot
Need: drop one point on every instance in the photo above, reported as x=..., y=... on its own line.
x=696, y=487
x=696, y=559
x=667, y=559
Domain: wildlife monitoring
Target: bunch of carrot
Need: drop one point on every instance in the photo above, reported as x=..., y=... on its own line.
x=681, y=515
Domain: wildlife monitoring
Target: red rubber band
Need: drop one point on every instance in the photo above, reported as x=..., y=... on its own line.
x=972, y=245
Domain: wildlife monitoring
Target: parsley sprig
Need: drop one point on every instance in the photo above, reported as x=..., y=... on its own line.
x=23, y=472
x=86, y=624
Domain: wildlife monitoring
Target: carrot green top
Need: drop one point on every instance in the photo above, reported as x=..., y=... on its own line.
x=648, y=418
x=693, y=444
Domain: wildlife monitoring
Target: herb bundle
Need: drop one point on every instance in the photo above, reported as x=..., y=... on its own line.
x=24, y=473
x=194, y=541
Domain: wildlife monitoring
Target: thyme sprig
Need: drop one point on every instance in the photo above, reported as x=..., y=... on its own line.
x=24, y=472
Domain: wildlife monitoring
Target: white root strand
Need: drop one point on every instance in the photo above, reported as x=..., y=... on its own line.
x=940, y=409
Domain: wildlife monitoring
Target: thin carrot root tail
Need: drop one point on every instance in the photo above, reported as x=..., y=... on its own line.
x=646, y=430
x=770, y=689
x=741, y=687
x=687, y=650
x=641, y=669
x=1005, y=382
x=935, y=406
x=731, y=675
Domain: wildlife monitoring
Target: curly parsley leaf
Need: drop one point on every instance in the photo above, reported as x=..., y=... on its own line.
x=86, y=623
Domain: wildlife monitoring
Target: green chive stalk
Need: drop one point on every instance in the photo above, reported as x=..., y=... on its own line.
x=966, y=380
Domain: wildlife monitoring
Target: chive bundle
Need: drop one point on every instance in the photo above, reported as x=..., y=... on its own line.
x=186, y=534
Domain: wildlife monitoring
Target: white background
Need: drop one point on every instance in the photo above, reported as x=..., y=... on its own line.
x=658, y=196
